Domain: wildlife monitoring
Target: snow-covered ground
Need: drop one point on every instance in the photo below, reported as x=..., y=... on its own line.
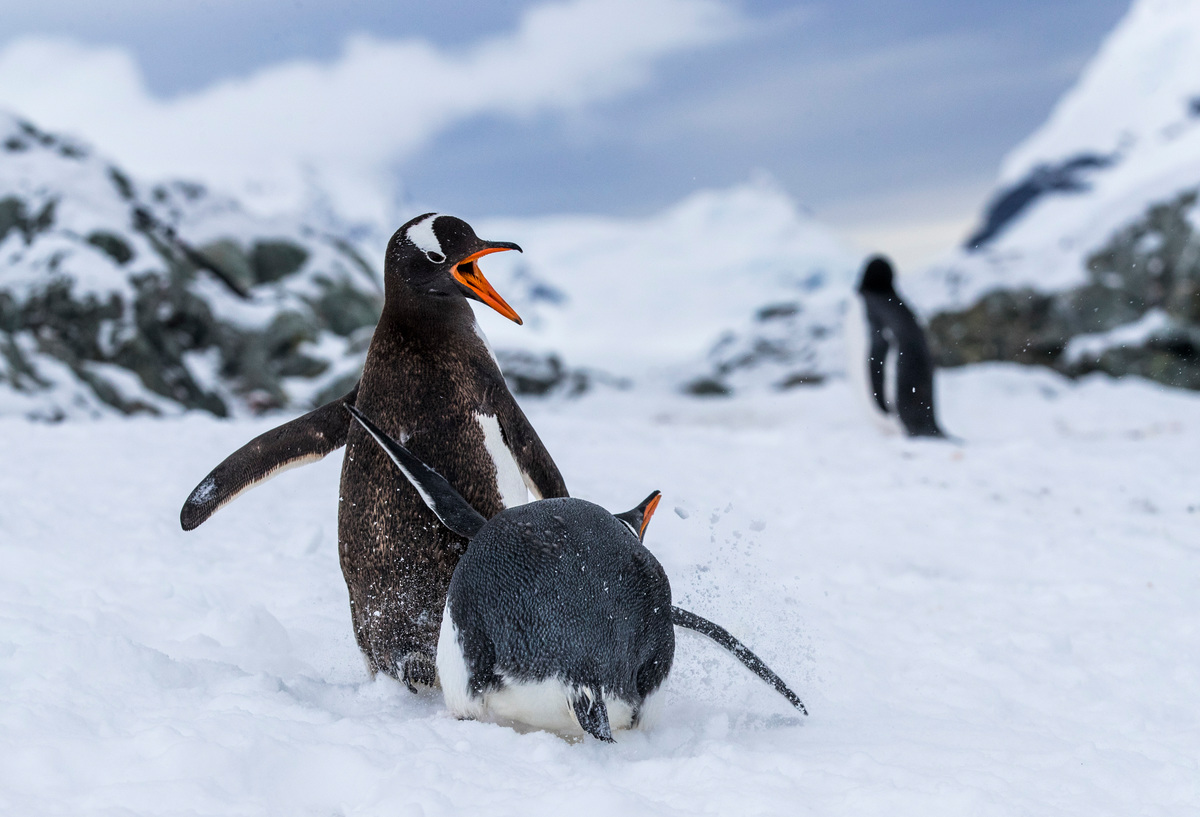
x=1009, y=626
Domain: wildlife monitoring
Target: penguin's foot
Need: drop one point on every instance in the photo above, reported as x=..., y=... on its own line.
x=418, y=671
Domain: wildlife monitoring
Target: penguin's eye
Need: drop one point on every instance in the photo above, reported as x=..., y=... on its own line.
x=435, y=256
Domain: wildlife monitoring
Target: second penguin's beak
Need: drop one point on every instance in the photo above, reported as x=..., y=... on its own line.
x=467, y=273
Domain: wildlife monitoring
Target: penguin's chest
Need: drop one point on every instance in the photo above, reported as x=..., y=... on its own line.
x=498, y=458
x=383, y=524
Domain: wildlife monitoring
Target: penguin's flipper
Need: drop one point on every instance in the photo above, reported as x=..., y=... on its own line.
x=441, y=498
x=877, y=367
x=591, y=713
x=305, y=439
x=639, y=517
x=691, y=621
x=537, y=466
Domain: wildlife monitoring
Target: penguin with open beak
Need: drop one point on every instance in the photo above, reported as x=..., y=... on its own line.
x=557, y=616
x=431, y=380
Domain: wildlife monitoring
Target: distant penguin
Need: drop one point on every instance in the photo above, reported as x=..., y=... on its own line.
x=431, y=380
x=887, y=356
x=557, y=617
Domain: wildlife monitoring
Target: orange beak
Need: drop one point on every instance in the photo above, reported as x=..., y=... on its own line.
x=467, y=273
x=649, y=512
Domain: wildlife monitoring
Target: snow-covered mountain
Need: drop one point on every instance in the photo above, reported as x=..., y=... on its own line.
x=725, y=288
x=122, y=296
x=1088, y=256
x=116, y=296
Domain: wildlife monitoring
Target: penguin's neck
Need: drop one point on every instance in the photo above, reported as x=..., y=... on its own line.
x=428, y=317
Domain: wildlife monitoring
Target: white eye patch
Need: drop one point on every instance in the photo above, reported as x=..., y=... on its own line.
x=424, y=239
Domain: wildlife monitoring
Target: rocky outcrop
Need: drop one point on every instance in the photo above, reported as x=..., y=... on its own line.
x=1138, y=312
x=120, y=297
x=785, y=345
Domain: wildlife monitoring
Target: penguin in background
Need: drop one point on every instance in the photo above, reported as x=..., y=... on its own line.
x=431, y=380
x=888, y=358
x=557, y=617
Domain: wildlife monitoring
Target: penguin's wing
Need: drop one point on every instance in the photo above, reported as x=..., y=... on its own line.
x=877, y=352
x=305, y=439
x=699, y=624
x=437, y=493
x=537, y=466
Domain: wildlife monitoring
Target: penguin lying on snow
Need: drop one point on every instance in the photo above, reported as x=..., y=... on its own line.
x=557, y=616
x=431, y=380
x=887, y=355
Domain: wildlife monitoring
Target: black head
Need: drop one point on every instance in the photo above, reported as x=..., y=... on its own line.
x=638, y=518
x=878, y=277
x=434, y=258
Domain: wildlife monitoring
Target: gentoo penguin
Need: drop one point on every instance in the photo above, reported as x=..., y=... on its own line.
x=557, y=617
x=429, y=379
x=887, y=356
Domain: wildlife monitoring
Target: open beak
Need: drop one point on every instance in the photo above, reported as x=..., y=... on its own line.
x=467, y=273
x=649, y=512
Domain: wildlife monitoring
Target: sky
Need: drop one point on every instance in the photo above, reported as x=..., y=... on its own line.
x=886, y=119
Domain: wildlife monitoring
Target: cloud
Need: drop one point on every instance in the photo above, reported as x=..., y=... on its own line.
x=345, y=124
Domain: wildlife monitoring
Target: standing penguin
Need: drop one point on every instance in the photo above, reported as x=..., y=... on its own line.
x=557, y=617
x=887, y=356
x=429, y=379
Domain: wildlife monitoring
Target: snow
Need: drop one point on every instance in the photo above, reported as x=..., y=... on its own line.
x=649, y=297
x=1094, y=344
x=1135, y=103
x=1004, y=627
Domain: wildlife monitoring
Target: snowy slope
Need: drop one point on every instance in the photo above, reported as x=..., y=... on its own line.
x=122, y=296
x=1003, y=628
x=650, y=297
x=1126, y=137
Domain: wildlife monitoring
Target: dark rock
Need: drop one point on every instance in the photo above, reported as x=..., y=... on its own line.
x=273, y=260
x=707, y=387
x=111, y=244
x=1064, y=177
x=1152, y=263
x=532, y=374
x=800, y=379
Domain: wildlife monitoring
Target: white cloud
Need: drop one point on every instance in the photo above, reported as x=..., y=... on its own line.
x=346, y=122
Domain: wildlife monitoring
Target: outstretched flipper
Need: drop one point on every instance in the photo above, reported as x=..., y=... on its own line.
x=438, y=494
x=305, y=439
x=691, y=621
x=592, y=714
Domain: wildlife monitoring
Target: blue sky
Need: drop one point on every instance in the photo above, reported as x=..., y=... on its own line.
x=886, y=118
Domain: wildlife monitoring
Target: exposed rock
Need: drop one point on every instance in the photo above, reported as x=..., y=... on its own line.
x=534, y=374
x=1150, y=267
x=118, y=299
x=786, y=345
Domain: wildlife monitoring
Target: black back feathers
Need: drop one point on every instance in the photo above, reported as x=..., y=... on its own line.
x=435, y=491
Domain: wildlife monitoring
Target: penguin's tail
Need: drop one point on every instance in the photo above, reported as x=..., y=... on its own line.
x=691, y=621
x=588, y=705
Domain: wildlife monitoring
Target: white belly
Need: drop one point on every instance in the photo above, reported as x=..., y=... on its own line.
x=510, y=481
x=537, y=705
